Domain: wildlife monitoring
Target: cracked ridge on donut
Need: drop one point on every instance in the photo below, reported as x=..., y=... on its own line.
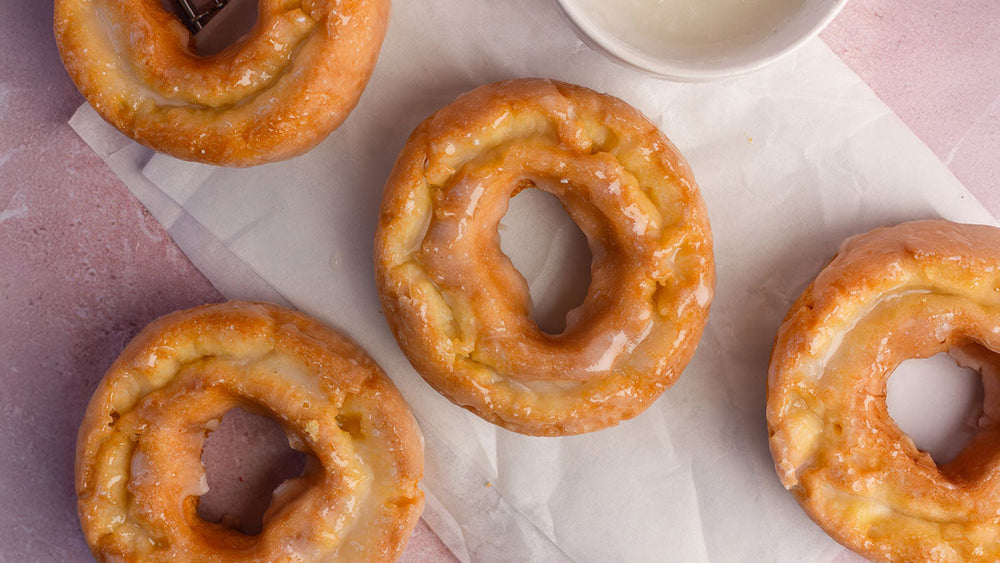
x=567, y=118
x=233, y=351
x=916, y=273
x=270, y=96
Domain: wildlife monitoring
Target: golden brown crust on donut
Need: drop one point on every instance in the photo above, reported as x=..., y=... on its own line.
x=273, y=95
x=138, y=466
x=461, y=312
x=912, y=290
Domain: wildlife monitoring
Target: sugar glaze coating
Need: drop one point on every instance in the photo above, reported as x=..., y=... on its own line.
x=272, y=95
x=908, y=291
x=138, y=463
x=461, y=311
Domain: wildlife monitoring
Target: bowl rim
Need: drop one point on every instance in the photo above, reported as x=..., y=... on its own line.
x=676, y=70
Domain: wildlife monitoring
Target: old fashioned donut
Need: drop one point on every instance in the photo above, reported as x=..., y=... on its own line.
x=272, y=95
x=462, y=313
x=908, y=291
x=138, y=462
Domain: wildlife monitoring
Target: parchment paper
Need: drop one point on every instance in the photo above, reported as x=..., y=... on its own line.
x=790, y=160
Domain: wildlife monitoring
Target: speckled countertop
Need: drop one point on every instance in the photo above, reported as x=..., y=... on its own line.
x=83, y=266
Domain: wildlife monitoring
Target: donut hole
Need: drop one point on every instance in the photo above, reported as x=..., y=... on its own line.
x=230, y=24
x=552, y=254
x=937, y=403
x=246, y=458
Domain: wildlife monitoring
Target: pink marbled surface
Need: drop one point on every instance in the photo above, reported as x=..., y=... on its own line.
x=937, y=65
x=84, y=267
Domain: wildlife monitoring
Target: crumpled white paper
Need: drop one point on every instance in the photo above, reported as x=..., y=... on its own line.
x=790, y=160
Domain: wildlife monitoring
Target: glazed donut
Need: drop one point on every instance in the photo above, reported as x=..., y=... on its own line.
x=138, y=462
x=462, y=313
x=908, y=291
x=273, y=95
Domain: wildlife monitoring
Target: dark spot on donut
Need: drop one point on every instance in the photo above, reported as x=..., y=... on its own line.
x=522, y=185
x=114, y=418
x=350, y=423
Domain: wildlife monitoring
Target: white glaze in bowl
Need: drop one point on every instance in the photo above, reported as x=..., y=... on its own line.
x=684, y=60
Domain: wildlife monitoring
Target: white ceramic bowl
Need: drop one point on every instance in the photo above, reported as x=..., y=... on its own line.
x=728, y=57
